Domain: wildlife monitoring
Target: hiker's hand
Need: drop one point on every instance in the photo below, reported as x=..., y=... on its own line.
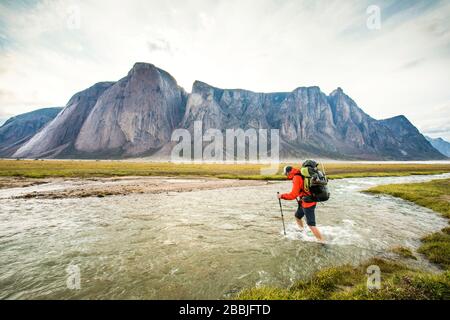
x=279, y=196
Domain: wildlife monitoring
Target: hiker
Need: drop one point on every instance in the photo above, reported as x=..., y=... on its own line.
x=304, y=208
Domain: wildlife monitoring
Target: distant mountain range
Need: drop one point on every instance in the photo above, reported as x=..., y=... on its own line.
x=441, y=145
x=135, y=117
x=18, y=130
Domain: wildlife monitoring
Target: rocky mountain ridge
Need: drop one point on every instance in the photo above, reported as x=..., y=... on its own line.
x=135, y=117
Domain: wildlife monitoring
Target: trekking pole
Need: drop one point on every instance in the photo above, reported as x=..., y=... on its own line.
x=282, y=216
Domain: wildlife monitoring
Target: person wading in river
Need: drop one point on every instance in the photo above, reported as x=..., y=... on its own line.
x=305, y=209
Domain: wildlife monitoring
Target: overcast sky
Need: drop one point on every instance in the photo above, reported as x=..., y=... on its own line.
x=49, y=50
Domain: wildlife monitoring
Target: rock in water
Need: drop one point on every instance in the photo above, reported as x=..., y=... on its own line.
x=57, y=139
x=136, y=116
x=19, y=129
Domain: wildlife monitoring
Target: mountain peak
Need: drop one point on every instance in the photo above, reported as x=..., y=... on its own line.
x=400, y=118
x=312, y=88
x=337, y=91
x=140, y=67
x=198, y=83
x=143, y=65
x=143, y=71
x=401, y=125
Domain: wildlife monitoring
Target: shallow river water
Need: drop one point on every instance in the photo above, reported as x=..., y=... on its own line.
x=194, y=245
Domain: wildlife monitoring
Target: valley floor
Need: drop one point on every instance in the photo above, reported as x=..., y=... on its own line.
x=80, y=178
x=107, y=168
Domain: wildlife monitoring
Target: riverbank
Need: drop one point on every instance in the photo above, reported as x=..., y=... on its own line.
x=107, y=178
x=434, y=195
x=64, y=188
x=41, y=169
x=398, y=280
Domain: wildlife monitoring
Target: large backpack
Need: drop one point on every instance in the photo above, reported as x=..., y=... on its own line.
x=315, y=182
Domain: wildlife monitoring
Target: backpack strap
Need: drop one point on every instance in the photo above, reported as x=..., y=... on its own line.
x=306, y=181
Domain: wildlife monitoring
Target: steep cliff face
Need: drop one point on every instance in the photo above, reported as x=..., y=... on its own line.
x=227, y=109
x=136, y=116
x=412, y=142
x=57, y=139
x=18, y=130
x=310, y=123
x=360, y=135
x=306, y=123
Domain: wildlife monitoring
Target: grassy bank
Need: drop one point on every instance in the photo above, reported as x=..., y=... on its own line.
x=349, y=283
x=398, y=281
x=434, y=195
x=55, y=168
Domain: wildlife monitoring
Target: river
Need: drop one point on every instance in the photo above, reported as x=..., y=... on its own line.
x=195, y=245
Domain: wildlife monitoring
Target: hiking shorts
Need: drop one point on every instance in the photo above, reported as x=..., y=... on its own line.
x=309, y=213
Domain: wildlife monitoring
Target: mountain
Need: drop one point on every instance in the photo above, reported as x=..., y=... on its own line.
x=18, y=130
x=441, y=145
x=131, y=117
x=412, y=142
x=57, y=139
x=136, y=116
x=311, y=123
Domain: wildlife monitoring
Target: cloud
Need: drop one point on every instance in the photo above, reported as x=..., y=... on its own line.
x=51, y=49
x=413, y=63
x=437, y=125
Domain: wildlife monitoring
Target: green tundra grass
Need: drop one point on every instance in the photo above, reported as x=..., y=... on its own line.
x=82, y=168
x=349, y=283
x=434, y=194
x=399, y=281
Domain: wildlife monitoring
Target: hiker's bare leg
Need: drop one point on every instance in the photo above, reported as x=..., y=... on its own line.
x=299, y=223
x=316, y=233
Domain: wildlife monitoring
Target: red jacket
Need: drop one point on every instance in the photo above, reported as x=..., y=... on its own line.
x=297, y=189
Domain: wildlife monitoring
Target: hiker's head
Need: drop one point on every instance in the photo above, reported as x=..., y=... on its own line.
x=287, y=170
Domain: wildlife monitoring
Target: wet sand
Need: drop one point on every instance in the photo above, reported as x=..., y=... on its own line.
x=59, y=188
x=19, y=182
